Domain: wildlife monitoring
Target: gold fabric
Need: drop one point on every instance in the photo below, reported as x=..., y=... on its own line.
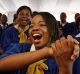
x=22, y=35
x=37, y=68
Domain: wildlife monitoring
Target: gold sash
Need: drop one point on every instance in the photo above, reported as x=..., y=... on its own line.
x=37, y=68
x=22, y=35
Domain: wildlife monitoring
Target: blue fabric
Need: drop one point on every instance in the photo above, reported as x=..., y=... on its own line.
x=74, y=35
x=0, y=33
x=76, y=66
x=20, y=48
x=16, y=48
x=73, y=28
x=75, y=31
x=10, y=36
x=53, y=67
x=68, y=29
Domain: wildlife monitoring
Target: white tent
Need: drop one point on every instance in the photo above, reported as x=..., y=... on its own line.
x=55, y=7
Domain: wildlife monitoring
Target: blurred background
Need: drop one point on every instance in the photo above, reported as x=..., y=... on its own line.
x=55, y=7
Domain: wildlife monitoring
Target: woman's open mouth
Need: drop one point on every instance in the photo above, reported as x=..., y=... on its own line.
x=37, y=36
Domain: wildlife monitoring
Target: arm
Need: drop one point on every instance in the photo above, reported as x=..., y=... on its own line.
x=16, y=61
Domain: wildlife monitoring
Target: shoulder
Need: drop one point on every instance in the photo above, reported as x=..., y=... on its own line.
x=11, y=29
x=16, y=48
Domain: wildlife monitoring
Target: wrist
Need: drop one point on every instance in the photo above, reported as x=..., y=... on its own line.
x=66, y=69
x=63, y=71
x=47, y=52
x=51, y=52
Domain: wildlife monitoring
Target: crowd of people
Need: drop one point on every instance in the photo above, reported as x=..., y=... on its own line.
x=56, y=43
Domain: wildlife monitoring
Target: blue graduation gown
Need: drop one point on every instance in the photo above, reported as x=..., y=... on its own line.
x=68, y=29
x=10, y=36
x=76, y=66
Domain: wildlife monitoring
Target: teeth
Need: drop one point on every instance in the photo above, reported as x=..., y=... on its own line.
x=36, y=34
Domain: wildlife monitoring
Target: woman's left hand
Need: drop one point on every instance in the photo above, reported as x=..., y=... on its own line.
x=65, y=50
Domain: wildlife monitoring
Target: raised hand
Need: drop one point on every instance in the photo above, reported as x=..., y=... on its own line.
x=65, y=52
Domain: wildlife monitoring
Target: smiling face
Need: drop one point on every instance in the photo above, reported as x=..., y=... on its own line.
x=24, y=17
x=38, y=31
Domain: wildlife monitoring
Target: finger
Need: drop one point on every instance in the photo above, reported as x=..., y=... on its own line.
x=54, y=49
x=75, y=52
x=76, y=42
x=64, y=45
x=58, y=47
x=71, y=41
x=74, y=57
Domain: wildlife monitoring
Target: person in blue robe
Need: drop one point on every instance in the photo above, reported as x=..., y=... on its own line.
x=19, y=32
x=10, y=36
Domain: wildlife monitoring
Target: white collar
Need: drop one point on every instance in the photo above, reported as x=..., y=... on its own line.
x=78, y=35
x=32, y=48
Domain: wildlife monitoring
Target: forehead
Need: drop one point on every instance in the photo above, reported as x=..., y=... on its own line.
x=24, y=10
x=37, y=18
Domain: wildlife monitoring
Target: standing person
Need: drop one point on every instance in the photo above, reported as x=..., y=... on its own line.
x=18, y=33
x=76, y=33
x=64, y=26
x=4, y=23
x=43, y=32
x=73, y=25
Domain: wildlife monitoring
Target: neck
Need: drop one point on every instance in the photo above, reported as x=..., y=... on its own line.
x=22, y=26
x=38, y=48
x=63, y=22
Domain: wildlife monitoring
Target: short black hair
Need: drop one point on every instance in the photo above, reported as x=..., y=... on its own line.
x=34, y=13
x=63, y=14
x=24, y=7
x=76, y=15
